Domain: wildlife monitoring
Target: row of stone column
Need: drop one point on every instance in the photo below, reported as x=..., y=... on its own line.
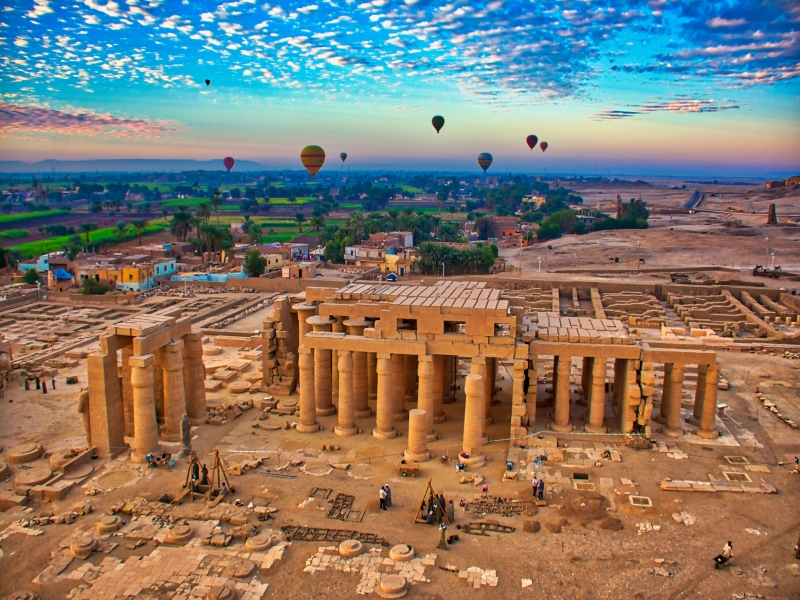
x=704, y=412
x=179, y=380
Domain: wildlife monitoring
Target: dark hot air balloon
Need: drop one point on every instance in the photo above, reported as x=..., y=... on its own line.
x=484, y=160
x=343, y=156
x=438, y=122
x=228, y=161
x=543, y=146
x=208, y=82
x=312, y=157
x=531, y=140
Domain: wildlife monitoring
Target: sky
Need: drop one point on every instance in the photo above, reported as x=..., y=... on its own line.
x=660, y=87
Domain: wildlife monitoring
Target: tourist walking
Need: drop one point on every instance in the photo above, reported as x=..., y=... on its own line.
x=382, y=496
x=388, y=495
x=541, y=489
x=727, y=554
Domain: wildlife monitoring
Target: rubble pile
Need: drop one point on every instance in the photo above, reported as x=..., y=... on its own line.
x=279, y=364
x=773, y=408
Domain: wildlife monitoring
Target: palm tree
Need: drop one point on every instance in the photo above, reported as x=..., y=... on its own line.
x=139, y=226
x=254, y=233
x=181, y=223
x=13, y=256
x=165, y=212
x=216, y=202
x=247, y=223
x=356, y=221
x=87, y=228
x=292, y=199
x=120, y=230
x=300, y=218
x=317, y=223
x=204, y=212
x=206, y=231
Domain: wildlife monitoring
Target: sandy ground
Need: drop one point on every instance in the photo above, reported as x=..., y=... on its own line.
x=574, y=563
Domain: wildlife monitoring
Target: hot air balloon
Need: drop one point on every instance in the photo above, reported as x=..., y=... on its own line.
x=484, y=160
x=228, y=161
x=531, y=141
x=343, y=156
x=438, y=122
x=543, y=146
x=208, y=82
x=313, y=157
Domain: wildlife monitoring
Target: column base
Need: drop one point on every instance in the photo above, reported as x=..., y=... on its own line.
x=199, y=420
x=440, y=418
x=325, y=412
x=422, y=457
x=473, y=461
x=384, y=435
x=138, y=458
x=400, y=416
x=448, y=400
x=484, y=439
x=660, y=419
x=307, y=428
x=589, y=429
x=560, y=428
x=170, y=437
x=672, y=432
x=410, y=399
x=693, y=421
x=345, y=432
x=431, y=437
x=489, y=420
x=363, y=414
x=707, y=435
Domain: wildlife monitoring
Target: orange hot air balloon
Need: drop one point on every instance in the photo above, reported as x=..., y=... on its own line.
x=228, y=161
x=437, y=122
x=543, y=146
x=312, y=157
x=531, y=140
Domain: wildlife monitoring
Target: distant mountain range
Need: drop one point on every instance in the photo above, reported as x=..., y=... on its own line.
x=124, y=165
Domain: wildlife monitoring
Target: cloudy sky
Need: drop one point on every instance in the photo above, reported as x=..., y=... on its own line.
x=658, y=87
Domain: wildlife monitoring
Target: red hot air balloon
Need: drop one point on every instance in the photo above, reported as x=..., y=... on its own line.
x=531, y=140
x=543, y=146
x=228, y=162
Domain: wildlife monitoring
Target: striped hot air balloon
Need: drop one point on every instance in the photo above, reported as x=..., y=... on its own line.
x=484, y=160
x=312, y=157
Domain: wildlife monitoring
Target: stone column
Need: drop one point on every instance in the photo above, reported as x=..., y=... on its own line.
x=708, y=421
x=561, y=370
x=596, y=388
x=517, y=433
x=474, y=419
x=105, y=400
x=491, y=366
x=699, y=395
x=174, y=394
x=665, y=394
x=372, y=375
x=672, y=427
x=337, y=327
x=532, y=396
x=360, y=383
x=158, y=387
x=399, y=412
x=145, y=427
x=447, y=379
x=417, y=437
x=478, y=367
x=438, y=375
x=308, y=410
x=488, y=392
x=127, y=391
x=322, y=369
x=346, y=426
x=425, y=402
x=411, y=377
x=384, y=423
x=194, y=378
x=304, y=312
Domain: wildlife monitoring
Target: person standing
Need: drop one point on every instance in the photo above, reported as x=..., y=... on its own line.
x=442, y=540
x=26, y=384
x=38, y=385
x=451, y=512
x=485, y=491
x=388, y=495
x=535, y=485
x=204, y=480
x=382, y=497
x=44, y=387
x=52, y=383
x=797, y=549
x=541, y=489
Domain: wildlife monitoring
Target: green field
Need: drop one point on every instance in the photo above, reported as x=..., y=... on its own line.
x=12, y=234
x=16, y=217
x=300, y=200
x=232, y=205
x=53, y=244
x=280, y=236
x=411, y=189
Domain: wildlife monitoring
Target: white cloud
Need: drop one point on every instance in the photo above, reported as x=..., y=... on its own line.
x=111, y=8
x=306, y=10
x=21, y=41
x=40, y=8
x=720, y=22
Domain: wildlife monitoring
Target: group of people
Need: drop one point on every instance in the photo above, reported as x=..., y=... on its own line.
x=537, y=486
x=385, y=496
x=199, y=475
x=433, y=510
x=40, y=384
